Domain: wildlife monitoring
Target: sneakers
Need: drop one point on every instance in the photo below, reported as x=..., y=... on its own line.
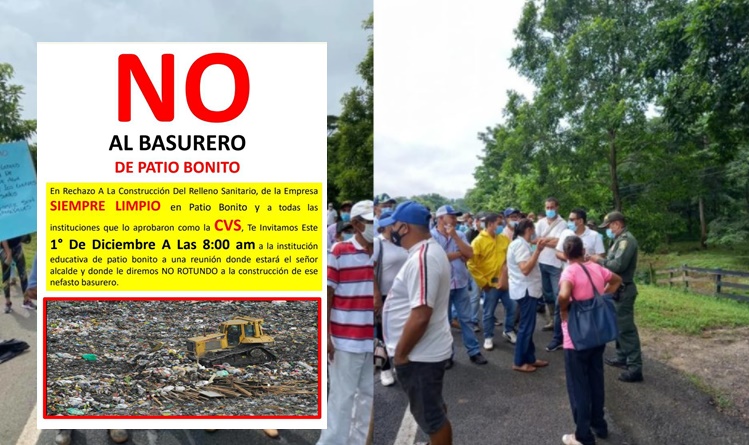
x=478, y=359
x=569, y=439
x=488, y=344
x=615, y=362
x=553, y=346
x=8, y=309
x=548, y=327
x=28, y=304
x=511, y=337
x=387, y=378
x=630, y=376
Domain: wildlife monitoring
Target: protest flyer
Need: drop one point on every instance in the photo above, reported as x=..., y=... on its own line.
x=184, y=172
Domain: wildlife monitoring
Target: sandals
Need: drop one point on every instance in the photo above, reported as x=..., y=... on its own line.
x=540, y=364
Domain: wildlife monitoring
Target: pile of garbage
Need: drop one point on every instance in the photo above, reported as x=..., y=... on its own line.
x=118, y=358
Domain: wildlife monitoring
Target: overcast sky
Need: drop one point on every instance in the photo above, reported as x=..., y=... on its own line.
x=338, y=22
x=441, y=77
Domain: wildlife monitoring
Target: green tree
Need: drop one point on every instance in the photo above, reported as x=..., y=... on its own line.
x=350, y=140
x=12, y=127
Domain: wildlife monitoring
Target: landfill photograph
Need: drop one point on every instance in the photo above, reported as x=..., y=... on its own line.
x=139, y=357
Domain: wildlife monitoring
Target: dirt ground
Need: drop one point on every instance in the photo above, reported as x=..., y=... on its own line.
x=716, y=361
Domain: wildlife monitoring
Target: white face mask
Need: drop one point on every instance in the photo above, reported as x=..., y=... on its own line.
x=368, y=232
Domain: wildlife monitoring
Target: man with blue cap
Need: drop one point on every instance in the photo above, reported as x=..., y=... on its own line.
x=416, y=334
x=458, y=252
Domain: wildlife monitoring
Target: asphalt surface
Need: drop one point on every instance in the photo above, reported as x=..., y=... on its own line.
x=491, y=404
x=17, y=375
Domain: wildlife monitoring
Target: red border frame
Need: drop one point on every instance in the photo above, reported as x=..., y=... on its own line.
x=319, y=355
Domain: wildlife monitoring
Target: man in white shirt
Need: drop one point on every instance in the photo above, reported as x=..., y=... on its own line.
x=550, y=229
x=416, y=335
x=577, y=224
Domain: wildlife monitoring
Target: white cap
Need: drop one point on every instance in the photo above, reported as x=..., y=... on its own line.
x=363, y=209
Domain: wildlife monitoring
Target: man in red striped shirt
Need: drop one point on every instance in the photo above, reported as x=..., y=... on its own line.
x=351, y=332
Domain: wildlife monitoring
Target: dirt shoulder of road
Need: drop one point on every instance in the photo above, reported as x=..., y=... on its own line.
x=716, y=362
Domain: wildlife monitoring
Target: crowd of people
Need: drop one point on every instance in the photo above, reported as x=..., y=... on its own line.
x=400, y=277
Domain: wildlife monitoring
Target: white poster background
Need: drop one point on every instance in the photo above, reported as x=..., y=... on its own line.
x=284, y=126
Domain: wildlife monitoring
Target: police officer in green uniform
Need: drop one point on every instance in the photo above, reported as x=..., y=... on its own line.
x=622, y=260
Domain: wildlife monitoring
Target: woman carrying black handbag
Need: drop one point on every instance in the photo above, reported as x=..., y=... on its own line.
x=579, y=284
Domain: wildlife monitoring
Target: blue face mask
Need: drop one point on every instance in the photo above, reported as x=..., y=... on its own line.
x=610, y=234
x=345, y=216
x=571, y=225
x=347, y=236
x=499, y=229
x=551, y=213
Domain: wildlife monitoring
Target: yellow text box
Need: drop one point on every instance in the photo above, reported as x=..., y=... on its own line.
x=184, y=236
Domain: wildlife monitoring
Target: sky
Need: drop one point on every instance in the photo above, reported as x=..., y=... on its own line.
x=338, y=22
x=441, y=77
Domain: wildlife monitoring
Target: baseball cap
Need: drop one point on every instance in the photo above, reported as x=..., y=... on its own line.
x=612, y=217
x=510, y=211
x=363, y=209
x=409, y=212
x=447, y=210
x=383, y=198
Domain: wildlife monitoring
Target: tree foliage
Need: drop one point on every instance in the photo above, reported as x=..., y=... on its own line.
x=12, y=127
x=350, y=136
x=640, y=106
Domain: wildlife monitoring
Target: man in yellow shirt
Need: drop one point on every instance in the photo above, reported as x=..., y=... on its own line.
x=487, y=267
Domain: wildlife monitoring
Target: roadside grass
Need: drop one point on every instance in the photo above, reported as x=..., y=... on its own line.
x=687, y=313
x=720, y=399
x=690, y=253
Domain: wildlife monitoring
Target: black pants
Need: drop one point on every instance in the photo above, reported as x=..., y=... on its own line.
x=20, y=260
x=378, y=334
x=584, y=371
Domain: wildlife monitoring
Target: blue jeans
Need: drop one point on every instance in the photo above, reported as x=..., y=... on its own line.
x=525, y=350
x=550, y=281
x=459, y=297
x=475, y=297
x=491, y=299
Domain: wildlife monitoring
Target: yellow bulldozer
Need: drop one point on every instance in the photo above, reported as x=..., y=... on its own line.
x=239, y=342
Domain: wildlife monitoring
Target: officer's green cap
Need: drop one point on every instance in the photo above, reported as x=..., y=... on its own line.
x=611, y=217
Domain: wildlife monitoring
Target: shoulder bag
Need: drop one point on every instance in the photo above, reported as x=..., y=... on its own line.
x=592, y=323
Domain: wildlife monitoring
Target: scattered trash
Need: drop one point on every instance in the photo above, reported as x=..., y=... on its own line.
x=133, y=360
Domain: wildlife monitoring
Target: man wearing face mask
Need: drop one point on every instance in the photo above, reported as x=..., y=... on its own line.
x=351, y=332
x=416, y=335
x=488, y=269
x=383, y=202
x=389, y=259
x=458, y=252
x=622, y=260
x=512, y=216
x=550, y=229
x=345, y=217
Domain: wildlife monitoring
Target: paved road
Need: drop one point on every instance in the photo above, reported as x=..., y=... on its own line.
x=18, y=375
x=492, y=404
